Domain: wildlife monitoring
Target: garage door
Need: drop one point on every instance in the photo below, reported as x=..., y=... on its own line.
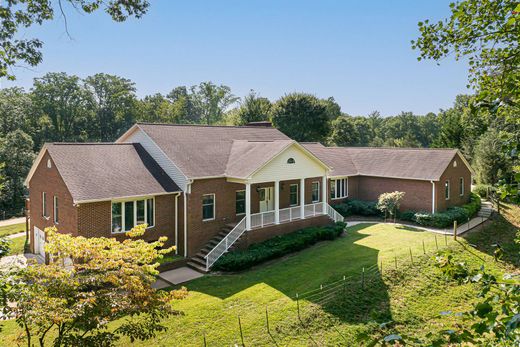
x=39, y=242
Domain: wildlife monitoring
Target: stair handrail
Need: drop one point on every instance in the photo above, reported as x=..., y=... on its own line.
x=334, y=215
x=224, y=244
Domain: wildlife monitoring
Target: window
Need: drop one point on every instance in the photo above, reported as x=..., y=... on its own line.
x=55, y=209
x=293, y=194
x=208, y=207
x=447, y=189
x=49, y=164
x=454, y=163
x=461, y=186
x=127, y=214
x=240, y=201
x=339, y=188
x=315, y=191
x=291, y=161
x=44, y=205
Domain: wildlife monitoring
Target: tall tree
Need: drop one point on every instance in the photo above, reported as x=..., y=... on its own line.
x=15, y=109
x=332, y=107
x=343, y=132
x=253, y=109
x=211, y=101
x=15, y=49
x=491, y=164
x=302, y=117
x=183, y=107
x=114, y=105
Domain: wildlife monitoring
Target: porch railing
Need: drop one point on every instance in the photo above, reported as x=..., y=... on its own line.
x=334, y=215
x=225, y=243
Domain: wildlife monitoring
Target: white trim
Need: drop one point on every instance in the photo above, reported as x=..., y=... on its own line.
x=214, y=207
x=44, y=205
x=35, y=165
x=123, y=203
x=297, y=195
x=302, y=198
x=248, y=206
x=312, y=191
x=449, y=189
x=124, y=198
x=54, y=208
x=465, y=162
x=344, y=181
x=461, y=180
x=177, y=223
x=185, y=220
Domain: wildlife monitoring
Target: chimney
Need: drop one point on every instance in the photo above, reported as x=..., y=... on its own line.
x=264, y=123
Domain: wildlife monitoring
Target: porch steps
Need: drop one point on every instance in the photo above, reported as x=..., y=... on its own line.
x=486, y=209
x=198, y=262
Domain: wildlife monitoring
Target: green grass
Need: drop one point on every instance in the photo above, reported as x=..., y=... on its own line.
x=12, y=229
x=413, y=297
x=17, y=245
x=169, y=258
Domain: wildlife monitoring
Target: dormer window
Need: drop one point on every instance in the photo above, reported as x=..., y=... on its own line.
x=291, y=161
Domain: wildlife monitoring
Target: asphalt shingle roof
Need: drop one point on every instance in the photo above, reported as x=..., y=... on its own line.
x=97, y=171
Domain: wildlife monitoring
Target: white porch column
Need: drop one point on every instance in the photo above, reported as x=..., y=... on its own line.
x=276, y=202
x=324, y=188
x=302, y=197
x=248, y=206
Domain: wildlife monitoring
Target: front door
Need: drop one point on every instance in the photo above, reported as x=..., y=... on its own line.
x=266, y=199
x=39, y=242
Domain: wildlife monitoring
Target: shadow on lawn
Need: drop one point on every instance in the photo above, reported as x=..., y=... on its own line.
x=324, y=263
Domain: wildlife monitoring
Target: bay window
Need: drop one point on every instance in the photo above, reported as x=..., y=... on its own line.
x=339, y=188
x=128, y=214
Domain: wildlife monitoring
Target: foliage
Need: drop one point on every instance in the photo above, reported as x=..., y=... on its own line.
x=482, y=190
x=343, y=132
x=301, y=116
x=491, y=163
x=210, y=101
x=451, y=269
x=21, y=14
x=253, y=108
x=390, y=202
x=89, y=283
x=446, y=218
x=277, y=247
x=358, y=208
x=5, y=246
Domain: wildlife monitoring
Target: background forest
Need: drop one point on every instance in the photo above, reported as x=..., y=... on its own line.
x=61, y=107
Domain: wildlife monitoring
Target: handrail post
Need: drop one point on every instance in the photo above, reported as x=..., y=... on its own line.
x=261, y=220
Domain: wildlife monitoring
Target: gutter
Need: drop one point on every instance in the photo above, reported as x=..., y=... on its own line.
x=177, y=222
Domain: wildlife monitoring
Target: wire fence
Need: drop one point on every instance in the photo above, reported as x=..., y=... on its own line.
x=303, y=322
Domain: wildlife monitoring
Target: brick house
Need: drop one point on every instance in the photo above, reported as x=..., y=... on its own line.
x=208, y=187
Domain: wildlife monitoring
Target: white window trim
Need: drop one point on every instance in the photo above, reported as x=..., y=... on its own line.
x=55, y=207
x=319, y=191
x=297, y=194
x=214, y=207
x=335, y=180
x=449, y=189
x=44, y=206
x=461, y=180
x=240, y=190
x=135, y=213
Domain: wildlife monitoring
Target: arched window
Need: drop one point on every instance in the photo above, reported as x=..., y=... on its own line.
x=290, y=161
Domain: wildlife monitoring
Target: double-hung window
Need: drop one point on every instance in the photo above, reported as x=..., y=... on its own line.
x=293, y=194
x=55, y=209
x=240, y=201
x=447, y=189
x=128, y=214
x=208, y=207
x=339, y=188
x=44, y=205
x=461, y=186
x=315, y=191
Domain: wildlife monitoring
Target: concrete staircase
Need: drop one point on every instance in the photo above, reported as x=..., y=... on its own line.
x=198, y=262
x=486, y=209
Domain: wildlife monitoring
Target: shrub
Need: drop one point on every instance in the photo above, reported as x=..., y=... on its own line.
x=277, y=247
x=446, y=218
x=407, y=215
x=482, y=189
x=358, y=207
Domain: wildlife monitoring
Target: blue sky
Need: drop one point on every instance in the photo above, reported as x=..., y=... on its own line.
x=359, y=52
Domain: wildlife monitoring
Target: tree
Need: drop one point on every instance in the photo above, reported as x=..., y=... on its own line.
x=90, y=283
x=389, y=203
x=343, y=132
x=490, y=162
x=302, y=117
x=402, y=131
x=183, y=108
x=210, y=101
x=64, y=106
x=252, y=109
x=15, y=109
x=114, y=104
x=332, y=107
x=17, y=14
x=16, y=154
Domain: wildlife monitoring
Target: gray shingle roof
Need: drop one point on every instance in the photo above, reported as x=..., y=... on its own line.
x=97, y=171
x=409, y=163
x=204, y=151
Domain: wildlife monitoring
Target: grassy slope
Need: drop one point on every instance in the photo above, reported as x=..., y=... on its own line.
x=413, y=297
x=17, y=245
x=12, y=229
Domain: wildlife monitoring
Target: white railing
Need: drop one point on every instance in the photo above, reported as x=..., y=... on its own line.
x=262, y=219
x=225, y=243
x=334, y=215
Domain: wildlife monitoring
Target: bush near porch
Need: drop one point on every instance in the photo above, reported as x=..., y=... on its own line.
x=277, y=246
x=353, y=207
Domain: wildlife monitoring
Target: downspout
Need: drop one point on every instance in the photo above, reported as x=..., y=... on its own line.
x=433, y=196
x=177, y=223
x=188, y=189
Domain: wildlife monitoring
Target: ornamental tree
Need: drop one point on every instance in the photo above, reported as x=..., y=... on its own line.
x=89, y=283
x=389, y=203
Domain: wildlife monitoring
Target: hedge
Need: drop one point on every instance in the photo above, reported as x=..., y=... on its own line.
x=277, y=246
x=446, y=218
x=358, y=208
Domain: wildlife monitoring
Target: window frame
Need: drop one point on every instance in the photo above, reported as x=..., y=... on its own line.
x=461, y=186
x=236, y=201
x=344, y=188
x=55, y=209
x=123, y=213
x=44, y=206
x=312, y=191
x=297, y=194
x=214, y=207
x=447, y=189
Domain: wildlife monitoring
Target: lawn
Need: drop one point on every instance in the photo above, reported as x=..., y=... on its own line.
x=12, y=229
x=413, y=297
x=17, y=245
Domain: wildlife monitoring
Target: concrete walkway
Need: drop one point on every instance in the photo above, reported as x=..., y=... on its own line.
x=14, y=236
x=176, y=276
x=12, y=221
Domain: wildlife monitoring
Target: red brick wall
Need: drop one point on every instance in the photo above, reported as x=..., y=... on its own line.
x=50, y=181
x=453, y=174
x=418, y=195
x=94, y=220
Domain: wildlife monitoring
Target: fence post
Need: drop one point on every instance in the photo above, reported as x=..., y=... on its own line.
x=381, y=267
x=363, y=279
x=204, y=337
x=298, y=306
x=395, y=259
x=344, y=284
x=446, y=238
x=241, y=334
x=436, y=243
x=423, y=248
x=267, y=320
x=455, y=230
x=411, y=256
x=498, y=207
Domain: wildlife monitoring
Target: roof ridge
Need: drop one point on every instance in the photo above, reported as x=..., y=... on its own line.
x=396, y=148
x=205, y=125
x=90, y=143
